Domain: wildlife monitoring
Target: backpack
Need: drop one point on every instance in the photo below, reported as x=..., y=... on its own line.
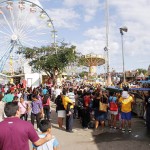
x=113, y=106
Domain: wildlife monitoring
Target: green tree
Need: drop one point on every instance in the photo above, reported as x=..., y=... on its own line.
x=140, y=70
x=83, y=73
x=45, y=58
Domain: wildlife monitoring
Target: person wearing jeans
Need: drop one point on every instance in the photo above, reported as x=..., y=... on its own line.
x=69, y=106
x=37, y=110
x=46, y=106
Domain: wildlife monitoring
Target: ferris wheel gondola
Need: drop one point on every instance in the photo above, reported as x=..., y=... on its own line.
x=23, y=24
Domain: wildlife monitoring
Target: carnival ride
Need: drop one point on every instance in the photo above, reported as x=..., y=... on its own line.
x=92, y=61
x=22, y=24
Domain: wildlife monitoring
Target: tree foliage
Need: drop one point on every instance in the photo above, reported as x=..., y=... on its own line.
x=140, y=70
x=46, y=59
x=83, y=73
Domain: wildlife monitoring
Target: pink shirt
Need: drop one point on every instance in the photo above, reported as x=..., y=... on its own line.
x=48, y=102
x=23, y=107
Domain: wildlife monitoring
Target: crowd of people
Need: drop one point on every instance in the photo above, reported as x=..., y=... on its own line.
x=94, y=106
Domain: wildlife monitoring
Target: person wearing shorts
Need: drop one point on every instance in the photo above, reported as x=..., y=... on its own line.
x=60, y=111
x=113, y=112
x=126, y=102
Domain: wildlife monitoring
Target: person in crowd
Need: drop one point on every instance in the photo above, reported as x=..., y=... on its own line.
x=45, y=128
x=36, y=110
x=100, y=116
x=44, y=91
x=60, y=111
x=57, y=91
x=15, y=99
x=29, y=96
x=6, y=89
x=8, y=97
x=113, y=109
x=24, y=109
x=2, y=104
x=52, y=93
x=126, y=102
x=68, y=105
x=39, y=96
x=147, y=102
x=118, y=95
x=86, y=111
x=75, y=114
x=80, y=102
x=25, y=95
x=71, y=96
x=17, y=131
x=46, y=106
x=19, y=94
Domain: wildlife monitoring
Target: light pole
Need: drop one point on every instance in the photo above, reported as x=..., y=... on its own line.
x=123, y=29
x=106, y=49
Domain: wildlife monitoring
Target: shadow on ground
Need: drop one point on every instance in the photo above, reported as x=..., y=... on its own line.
x=112, y=139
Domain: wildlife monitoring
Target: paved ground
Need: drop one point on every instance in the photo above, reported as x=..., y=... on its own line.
x=109, y=140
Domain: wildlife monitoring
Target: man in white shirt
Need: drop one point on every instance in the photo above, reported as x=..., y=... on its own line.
x=57, y=91
x=71, y=95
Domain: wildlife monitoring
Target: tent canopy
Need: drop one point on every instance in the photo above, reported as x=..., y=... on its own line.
x=141, y=76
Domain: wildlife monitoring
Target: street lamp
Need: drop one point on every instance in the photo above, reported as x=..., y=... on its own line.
x=123, y=29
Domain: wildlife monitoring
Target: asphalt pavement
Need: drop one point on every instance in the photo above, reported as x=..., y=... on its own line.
x=110, y=139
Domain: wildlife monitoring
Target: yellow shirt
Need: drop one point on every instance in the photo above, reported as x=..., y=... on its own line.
x=126, y=104
x=65, y=101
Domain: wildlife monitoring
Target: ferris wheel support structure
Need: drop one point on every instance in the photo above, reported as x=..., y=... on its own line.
x=16, y=30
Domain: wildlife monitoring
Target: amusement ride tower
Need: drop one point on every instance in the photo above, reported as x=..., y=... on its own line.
x=92, y=61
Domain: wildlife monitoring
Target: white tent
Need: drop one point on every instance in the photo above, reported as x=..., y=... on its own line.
x=141, y=76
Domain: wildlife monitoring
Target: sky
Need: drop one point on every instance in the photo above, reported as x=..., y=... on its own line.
x=83, y=23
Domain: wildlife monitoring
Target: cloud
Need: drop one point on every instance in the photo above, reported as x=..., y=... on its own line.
x=95, y=33
x=90, y=7
x=64, y=18
x=135, y=15
x=38, y=2
x=99, y=34
x=96, y=41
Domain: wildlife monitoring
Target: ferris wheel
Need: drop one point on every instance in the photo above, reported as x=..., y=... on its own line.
x=23, y=24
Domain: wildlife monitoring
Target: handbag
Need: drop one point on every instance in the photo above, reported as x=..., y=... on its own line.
x=103, y=106
x=113, y=106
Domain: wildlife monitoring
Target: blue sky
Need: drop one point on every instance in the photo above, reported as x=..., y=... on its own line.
x=82, y=23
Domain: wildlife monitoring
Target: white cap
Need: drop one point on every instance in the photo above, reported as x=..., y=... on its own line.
x=125, y=94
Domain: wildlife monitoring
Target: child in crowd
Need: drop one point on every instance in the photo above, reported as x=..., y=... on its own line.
x=45, y=127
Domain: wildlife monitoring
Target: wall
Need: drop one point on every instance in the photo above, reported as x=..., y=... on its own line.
x=33, y=79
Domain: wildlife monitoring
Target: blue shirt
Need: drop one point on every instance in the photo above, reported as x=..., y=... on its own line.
x=44, y=91
x=8, y=98
x=112, y=99
x=36, y=106
x=48, y=145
